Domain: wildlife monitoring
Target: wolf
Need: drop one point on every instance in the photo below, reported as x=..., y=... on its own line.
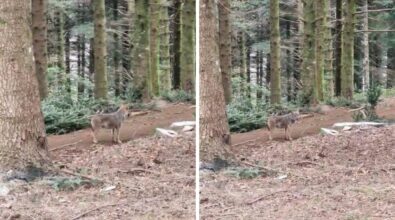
x=109, y=121
x=282, y=121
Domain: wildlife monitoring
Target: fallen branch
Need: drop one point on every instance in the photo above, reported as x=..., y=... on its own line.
x=245, y=142
x=264, y=196
x=66, y=145
x=306, y=116
x=138, y=113
x=97, y=208
x=363, y=123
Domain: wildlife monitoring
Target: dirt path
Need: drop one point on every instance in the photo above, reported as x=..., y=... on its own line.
x=312, y=125
x=135, y=127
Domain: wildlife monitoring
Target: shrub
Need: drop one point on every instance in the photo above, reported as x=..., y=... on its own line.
x=179, y=96
x=244, y=117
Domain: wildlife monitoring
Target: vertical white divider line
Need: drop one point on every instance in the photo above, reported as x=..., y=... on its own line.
x=197, y=113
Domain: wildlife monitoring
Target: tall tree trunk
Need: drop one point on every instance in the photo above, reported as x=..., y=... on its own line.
x=100, y=48
x=187, y=59
x=365, y=45
x=319, y=47
x=298, y=44
x=259, y=76
x=91, y=64
x=154, y=47
x=275, y=73
x=347, y=70
x=117, y=52
x=214, y=129
x=141, y=58
x=127, y=9
x=175, y=31
x=288, y=64
x=59, y=26
x=164, y=50
x=248, y=70
x=243, y=67
x=328, y=51
x=225, y=47
x=22, y=131
x=308, y=63
x=338, y=47
x=68, y=62
x=39, y=23
x=82, y=64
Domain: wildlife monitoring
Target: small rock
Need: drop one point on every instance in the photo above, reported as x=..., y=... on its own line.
x=108, y=188
x=4, y=190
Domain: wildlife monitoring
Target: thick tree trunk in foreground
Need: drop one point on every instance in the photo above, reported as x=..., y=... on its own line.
x=39, y=23
x=275, y=70
x=225, y=47
x=22, y=132
x=100, y=48
x=214, y=129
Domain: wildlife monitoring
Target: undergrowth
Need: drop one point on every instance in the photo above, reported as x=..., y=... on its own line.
x=179, y=96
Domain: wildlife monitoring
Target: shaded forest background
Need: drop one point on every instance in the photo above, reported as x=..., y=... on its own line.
x=287, y=54
x=93, y=55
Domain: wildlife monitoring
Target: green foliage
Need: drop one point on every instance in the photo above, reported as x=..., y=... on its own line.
x=373, y=95
x=63, y=115
x=343, y=102
x=69, y=184
x=244, y=117
x=245, y=173
x=179, y=96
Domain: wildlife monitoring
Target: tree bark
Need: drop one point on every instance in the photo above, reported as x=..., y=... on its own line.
x=187, y=59
x=214, y=129
x=164, y=50
x=175, y=38
x=100, y=48
x=22, y=131
x=225, y=47
x=117, y=51
x=154, y=46
x=347, y=59
x=328, y=52
x=275, y=73
x=338, y=47
x=319, y=47
x=365, y=45
x=59, y=26
x=39, y=23
x=141, y=55
x=308, y=63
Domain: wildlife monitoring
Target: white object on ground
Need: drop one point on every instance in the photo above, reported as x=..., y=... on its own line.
x=166, y=133
x=329, y=131
x=182, y=124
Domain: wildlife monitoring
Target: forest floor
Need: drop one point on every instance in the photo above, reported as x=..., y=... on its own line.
x=147, y=177
x=350, y=176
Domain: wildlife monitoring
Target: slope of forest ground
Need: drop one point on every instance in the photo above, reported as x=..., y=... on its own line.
x=148, y=177
x=350, y=176
x=312, y=125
